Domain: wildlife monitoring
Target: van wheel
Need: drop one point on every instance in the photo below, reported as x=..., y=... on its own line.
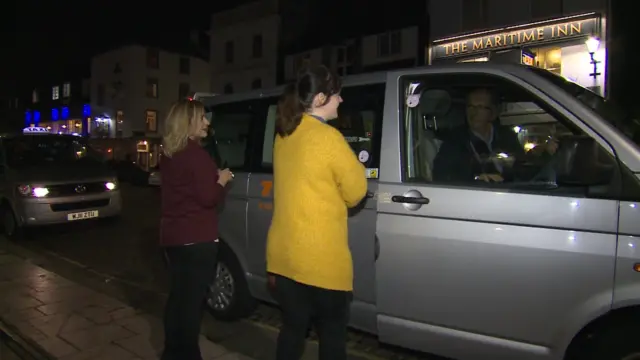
x=229, y=298
x=619, y=341
x=10, y=226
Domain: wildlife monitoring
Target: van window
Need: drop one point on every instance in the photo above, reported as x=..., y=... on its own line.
x=44, y=150
x=359, y=120
x=474, y=130
x=230, y=132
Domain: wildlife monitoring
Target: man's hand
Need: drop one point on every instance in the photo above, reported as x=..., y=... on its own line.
x=495, y=178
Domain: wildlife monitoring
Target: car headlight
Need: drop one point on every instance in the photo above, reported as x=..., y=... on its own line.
x=110, y=185
x=28, y=190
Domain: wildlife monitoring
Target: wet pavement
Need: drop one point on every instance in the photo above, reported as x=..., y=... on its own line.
x=121, y=259
x=72, y=322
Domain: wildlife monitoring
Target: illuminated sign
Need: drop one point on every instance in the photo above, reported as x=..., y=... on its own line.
x=515, y=37
x=527, y=59
x=35, y=130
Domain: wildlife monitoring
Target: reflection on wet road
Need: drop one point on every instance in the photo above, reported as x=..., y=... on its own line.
x=122, y=257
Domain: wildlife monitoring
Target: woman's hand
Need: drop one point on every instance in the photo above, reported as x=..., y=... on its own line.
x=224, y=176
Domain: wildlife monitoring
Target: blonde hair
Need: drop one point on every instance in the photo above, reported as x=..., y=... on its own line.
x=178, y=123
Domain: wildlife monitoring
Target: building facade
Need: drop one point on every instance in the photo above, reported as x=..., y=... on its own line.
x=62, y=107
x=132, y=89
x=567, y=37
x=244, y=47
x=395, y=49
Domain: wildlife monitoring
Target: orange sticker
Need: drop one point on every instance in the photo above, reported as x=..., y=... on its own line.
x=267, y=186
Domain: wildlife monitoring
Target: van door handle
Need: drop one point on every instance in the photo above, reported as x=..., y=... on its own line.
x=410, y=200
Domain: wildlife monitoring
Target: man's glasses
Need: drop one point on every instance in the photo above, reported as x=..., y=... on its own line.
x=478, y=107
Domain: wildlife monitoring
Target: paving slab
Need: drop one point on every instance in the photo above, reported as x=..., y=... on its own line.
x=72, y=322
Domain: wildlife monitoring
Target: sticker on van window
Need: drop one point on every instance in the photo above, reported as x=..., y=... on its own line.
x=356, y=139
x=372, y=173
x=363, y=156
x=413, y=100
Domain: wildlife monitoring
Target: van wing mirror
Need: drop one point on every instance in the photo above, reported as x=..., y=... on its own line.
x=577, y=163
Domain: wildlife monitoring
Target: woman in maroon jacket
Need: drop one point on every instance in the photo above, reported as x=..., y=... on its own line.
x=192, y=188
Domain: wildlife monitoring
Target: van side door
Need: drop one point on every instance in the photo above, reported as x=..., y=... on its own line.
x=231, y=125
x=359, y=120
x=488, y=249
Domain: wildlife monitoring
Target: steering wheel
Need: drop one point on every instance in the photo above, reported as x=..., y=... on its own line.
x=548, y=172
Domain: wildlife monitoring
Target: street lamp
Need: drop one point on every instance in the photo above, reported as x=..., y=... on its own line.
x=593, y=44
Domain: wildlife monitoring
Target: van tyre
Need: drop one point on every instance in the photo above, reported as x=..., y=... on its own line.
x=10, y=226
x=229, y=298
x=620, y=340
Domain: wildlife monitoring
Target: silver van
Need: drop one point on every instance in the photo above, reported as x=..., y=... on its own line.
x=51, y=179
x=541, y=264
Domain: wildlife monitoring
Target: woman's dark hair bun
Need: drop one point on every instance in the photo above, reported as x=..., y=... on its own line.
x=298, y=96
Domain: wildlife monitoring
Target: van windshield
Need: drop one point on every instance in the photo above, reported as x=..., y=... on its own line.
x=607, y=109
x=42, y=150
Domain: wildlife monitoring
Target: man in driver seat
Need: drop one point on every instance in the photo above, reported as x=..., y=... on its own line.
x=482, y=150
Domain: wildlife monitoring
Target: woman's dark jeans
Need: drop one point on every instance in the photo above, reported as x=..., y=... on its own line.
x=302, y=305
x=191, y=270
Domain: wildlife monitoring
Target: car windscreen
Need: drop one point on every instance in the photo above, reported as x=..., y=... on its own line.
x=27, y=151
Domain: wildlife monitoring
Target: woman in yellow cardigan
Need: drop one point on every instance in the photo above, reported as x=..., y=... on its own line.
x=316, y=178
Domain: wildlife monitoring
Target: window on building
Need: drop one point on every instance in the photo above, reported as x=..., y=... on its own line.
x=341, y=56
x=256, y=83
x=100, y=95
x=383, y=45
x=55, y=93
x=473, y=14
x=66, y=90
x=395, y=46
x=152, y=120
x=34, y=96
x=390, y=43
x=152, y=88
x=185, y=65
x=351, y=53
x=229, y=52
x=119, y=122
x=257, y=46
x=300, y=62
x=228, y=89
x=153, y=58
x=183, y=90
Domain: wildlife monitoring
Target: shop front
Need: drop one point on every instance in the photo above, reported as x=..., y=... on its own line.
x=573, y=47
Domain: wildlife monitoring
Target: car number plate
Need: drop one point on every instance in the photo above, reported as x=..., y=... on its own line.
x=82, y=215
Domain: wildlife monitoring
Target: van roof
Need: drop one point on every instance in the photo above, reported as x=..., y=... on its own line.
x=370, y=78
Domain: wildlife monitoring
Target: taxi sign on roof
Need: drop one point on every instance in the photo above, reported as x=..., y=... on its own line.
x=35, y=130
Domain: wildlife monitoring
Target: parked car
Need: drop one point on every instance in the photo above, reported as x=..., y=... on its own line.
x=532, y=267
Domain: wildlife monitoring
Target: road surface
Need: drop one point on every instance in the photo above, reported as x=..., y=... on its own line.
x=122, y=258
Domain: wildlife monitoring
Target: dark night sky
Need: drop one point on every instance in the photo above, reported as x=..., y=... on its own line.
x=47, y=38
